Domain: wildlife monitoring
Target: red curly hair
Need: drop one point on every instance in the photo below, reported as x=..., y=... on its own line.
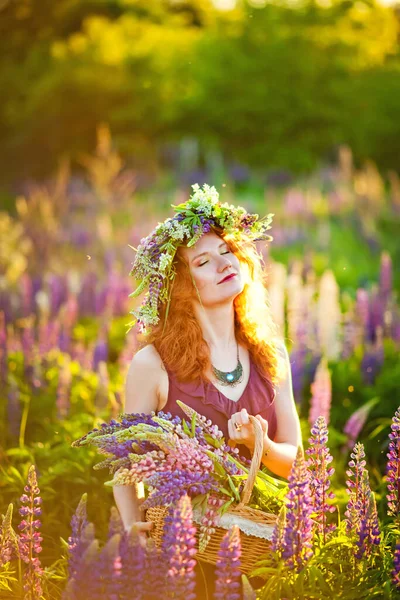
x=254, y=326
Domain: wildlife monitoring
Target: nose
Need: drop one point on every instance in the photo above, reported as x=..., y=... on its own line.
x=223, y=263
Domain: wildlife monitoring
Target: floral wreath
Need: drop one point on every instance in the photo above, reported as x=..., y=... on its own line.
x=153, y=267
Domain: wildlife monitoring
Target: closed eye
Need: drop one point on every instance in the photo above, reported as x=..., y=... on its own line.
x=206, y=261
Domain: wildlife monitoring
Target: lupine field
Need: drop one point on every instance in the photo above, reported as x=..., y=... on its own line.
x=65, y=254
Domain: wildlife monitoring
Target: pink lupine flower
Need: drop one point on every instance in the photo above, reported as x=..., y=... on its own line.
x=8, y=538
x=356, y=422
x=321, y=389
x=30, y=538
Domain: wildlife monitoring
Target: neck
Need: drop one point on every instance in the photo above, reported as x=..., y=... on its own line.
x=218, y=325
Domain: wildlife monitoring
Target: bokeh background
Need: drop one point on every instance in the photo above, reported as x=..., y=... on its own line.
x=110, y=110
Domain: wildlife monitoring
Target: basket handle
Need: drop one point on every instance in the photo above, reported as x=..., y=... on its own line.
x=255, y=461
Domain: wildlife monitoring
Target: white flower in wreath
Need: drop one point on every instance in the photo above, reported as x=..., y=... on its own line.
x=164, y=262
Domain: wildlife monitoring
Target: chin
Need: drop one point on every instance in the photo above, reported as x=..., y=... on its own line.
x=233, y=288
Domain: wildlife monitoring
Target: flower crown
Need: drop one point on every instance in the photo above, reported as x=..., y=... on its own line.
x=153, y=266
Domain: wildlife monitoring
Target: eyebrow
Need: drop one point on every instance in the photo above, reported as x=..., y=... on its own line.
x=203, y=253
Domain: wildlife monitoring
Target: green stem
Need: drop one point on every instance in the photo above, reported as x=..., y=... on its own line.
x=24, y=420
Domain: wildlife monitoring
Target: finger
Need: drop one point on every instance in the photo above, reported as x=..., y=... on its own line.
x=141, y=527
x=237, y=418
x=231, y=430
x=244, y=416
x=263, y=423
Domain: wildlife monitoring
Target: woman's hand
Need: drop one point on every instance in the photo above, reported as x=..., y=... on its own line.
x=142, y=527
x=241, y=431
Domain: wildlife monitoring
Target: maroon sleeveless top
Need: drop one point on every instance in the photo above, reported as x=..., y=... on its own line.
x=258, y=398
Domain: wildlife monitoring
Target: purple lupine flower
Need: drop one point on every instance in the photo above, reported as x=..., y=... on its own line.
x=377, y=310
x=156, y=567
x=58, y=289
x=349, y=336
x=362, y=310
x=83, y=585
x=356, y=422
x=8, y=538
x=64, y=339
x=373, y=522
x=361, y=514
x=26, y=286
x=3, y=349
x=77, y=541
x=100, y=353
x=363, y=517
x=6, y=306
x=277, y=534
x=30, y=538
x=227, y=569
x=115, y=524
x=385, y=277
x=168, y=487
x=181, y=552
x=63, y=389
x=107, y=570
x=373, y=359
x=87, y=295
x=395, y=573
x=393, y=467
x=318, y=463
x=298, y=532
x=297, y=363
x=354, y=483
x=132, y=555
x=321, y=388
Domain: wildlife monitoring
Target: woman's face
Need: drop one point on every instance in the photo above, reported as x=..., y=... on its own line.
x=211, y=262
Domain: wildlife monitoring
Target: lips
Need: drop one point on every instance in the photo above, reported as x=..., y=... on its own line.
x=228, y=278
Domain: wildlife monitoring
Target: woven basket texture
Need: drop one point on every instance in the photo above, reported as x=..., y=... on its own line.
x=252, y=547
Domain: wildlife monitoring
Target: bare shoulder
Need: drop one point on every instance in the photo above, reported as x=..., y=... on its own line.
x=148, y=357
x=145, y=381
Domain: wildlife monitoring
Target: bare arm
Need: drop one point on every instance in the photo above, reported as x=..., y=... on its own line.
x=280, y=453
x=141, y=396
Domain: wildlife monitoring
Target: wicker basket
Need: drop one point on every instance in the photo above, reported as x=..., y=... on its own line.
x=252, y=547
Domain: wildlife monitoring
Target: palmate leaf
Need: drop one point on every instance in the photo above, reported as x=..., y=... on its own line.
x=7, y=579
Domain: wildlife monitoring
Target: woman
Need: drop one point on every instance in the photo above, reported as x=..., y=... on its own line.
x=211, y=342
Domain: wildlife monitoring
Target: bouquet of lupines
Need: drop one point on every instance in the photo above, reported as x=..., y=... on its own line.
x=173, y=457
